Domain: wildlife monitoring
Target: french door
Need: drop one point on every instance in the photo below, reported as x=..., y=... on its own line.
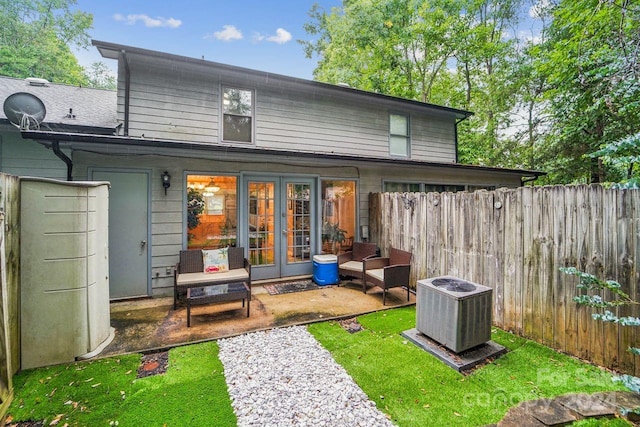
x=279, y=225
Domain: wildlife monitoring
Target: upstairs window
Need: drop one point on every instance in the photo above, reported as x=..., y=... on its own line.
x=237, y=115
x=399, y=138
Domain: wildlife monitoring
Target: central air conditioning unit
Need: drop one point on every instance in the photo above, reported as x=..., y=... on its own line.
x=454, y=312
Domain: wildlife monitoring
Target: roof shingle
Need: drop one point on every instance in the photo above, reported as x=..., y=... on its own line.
x=67, y=105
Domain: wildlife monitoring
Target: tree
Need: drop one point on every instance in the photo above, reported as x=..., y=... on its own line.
x=440, y=51
x=590, y=63
x=35, y=39
x=624, y=155
x=485, y=61
x=575, y=90
x=396, y=47
x=100, y=77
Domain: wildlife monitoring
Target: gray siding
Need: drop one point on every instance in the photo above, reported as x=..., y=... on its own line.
x=175, y=106
x=168, y=211
x=23, y=157
x=178, y=104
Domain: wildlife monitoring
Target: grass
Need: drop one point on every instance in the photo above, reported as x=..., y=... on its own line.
x=106, y=392
x=410, y=385
x=414, y=388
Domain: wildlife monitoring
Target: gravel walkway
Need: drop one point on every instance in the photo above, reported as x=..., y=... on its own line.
x=284, y=377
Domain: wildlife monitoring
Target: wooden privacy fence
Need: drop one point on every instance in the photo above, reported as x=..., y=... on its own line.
x=515, y=241
x=9, y=289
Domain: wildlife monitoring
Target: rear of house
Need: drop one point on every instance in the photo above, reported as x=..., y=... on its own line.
x=204, y=155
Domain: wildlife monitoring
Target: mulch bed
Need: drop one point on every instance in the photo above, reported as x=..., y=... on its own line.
x=288, y=287
x=153, y=364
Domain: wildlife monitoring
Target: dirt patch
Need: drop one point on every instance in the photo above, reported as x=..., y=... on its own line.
x=351, y=325
x=153, y=364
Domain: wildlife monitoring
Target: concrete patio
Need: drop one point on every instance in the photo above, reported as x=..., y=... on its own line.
x=149, y=325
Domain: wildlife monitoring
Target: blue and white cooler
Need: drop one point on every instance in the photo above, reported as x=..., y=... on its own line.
x=325, y=269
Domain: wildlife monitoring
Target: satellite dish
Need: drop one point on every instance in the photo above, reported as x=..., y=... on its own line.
x=24, y=110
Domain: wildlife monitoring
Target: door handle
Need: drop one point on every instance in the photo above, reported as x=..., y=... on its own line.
x=143, y=243
x=285, y=231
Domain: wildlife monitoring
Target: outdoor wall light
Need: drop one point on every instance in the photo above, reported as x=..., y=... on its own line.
x=166, y=181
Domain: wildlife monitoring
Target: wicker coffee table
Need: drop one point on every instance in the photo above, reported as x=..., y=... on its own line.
x=218, y=293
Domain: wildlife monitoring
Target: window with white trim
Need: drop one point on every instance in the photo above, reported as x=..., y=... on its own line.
x=237, y=115
x=399, y=138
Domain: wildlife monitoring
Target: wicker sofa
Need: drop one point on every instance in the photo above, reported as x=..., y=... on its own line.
x=189, y=272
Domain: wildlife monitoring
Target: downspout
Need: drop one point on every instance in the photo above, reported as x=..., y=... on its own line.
x=455, y=130
x=56, y=150
x=127, y=90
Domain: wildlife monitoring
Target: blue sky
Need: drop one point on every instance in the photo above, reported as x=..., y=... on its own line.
x=257, y=34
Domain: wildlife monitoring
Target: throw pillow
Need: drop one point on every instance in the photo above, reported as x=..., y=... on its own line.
x=215, y=260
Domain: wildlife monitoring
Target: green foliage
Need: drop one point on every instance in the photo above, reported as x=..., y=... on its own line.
x=47, y=58
x=616, y=297
x=331, y=232
x=409, y=384
x=195, y=206
x=542, y=105
x=36, y=37
x=600, y=422
x=446, y=52
x=593, y=86
x=415, y=388
x=623, y=154
x=100, y=77
x=106, y=392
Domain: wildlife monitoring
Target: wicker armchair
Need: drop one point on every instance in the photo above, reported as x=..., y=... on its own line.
x=388, y=272
x=350, y=263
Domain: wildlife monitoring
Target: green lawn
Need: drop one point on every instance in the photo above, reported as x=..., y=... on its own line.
x=106, y=392
x=410, y=385
x=415, y=388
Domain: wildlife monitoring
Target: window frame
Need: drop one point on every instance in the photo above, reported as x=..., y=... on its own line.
x=407, y=137
x=223, y=88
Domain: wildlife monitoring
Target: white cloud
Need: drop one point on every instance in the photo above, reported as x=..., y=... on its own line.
x=228, y=33
x=148, y=21
x=282, y=36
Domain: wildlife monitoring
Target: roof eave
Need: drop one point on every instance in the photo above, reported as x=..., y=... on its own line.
x=163, y=143
x=65, y=128
x=113, y=51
